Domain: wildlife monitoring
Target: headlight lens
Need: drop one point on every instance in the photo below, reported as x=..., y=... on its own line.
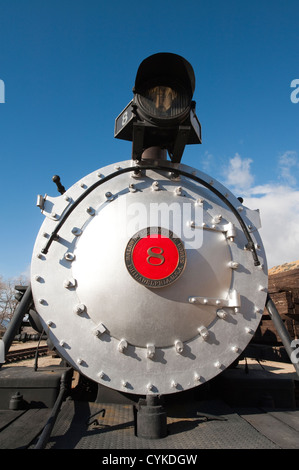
x=164, y=101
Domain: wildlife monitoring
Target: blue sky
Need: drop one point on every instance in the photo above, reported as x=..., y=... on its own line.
x=69, y=67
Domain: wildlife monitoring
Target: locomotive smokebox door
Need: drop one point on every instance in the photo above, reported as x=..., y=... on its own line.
x=148, y=287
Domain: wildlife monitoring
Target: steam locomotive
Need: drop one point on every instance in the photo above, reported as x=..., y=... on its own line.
x=148, y=276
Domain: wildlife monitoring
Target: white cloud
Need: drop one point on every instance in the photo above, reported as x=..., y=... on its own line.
x=287, y=167
x=278, y=205
x=238, y=173
x=279, y=210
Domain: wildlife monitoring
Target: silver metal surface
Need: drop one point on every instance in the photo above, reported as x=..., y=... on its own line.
x=129, y=336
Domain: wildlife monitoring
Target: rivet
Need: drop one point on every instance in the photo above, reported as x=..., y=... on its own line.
x=192, y=300
x=221, y=313
x=262, y=289
x=68, y=283
x=199, y=202
x=174, y=384
x=196, y=377
x=178, y=191
x=69, y=256
x=217, y=364
x=42, y=301
x=202, y=330
x=150, y=353
x=99, y=175
x=124, y=383
x=90, y=211
x=99, y=330
x=79, y=361
x=132, y=188
x=38, y=278
x=101, y=374
x=54, y=215
x=108, y=196
x=150, y=387
x=79, y=308
x=67, y=198
x=50, y=323
x=179, y=346
x=76, y=231
x=45, y=235
x=155, y=186
x=82, y=184
x=249, y=330
x=235, y=349
x=117, y=167
x=233, y=264
x=122, y=345
x=217, y=219
x=62, y=343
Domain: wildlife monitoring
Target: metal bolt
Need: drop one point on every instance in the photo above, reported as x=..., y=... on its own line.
x=202, y=330
x=101, y=374
x=178, y=191
x=249, y=330
x=76, y=231
x=217, y=219
x=235, y=349
x=90, y=211
x=79, y=308
x=155, y=186
x=150, y=353
x=150, y=387
x=174, y=384
x=62, y=343
x=233, y=264
x=221, y=314
x=122, y=345
x=69, y=256
x=68, y=283
x=179, y=346
x=42, y=301
x=38, y=278
x=124, y=383
x=99, y=330
x=50, y=323
x=199, y=202
x=79, y=361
